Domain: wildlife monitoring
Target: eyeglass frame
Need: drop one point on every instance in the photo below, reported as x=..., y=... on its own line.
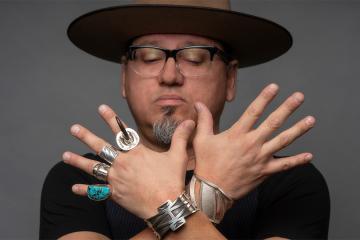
x=226, y=58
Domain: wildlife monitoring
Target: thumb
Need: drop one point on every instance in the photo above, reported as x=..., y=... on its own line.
x=204, y=120
x=181, y=137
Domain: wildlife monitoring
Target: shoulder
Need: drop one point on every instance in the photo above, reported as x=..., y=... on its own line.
x=302, y=179
x=63, y=212
x=294, y=204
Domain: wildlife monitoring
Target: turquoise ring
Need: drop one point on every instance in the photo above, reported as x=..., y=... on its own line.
x=98, y=192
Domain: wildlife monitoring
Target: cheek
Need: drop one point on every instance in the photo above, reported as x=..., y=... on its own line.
x=138, y=96
x=211, y=91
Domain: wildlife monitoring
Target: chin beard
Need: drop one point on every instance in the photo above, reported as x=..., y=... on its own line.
x=164, y=129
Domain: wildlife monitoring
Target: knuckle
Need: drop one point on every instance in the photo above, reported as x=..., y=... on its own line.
x=90, y=166
x=284, y=140
x=249, y=144
x=109, y=114
x=253, y=111
x=295, y=100
x=274, y=123
x=81, y=134
x=291, y=103
x=267, y=94
x=287, y=165
x=302, y=127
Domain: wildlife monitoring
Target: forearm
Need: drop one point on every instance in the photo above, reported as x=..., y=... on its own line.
x=197, y=226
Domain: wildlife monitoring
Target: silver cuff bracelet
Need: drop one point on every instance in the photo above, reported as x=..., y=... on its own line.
x=171, y=215
x=212, y=200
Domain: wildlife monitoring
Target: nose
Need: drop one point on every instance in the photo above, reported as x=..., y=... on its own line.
x=170, y=75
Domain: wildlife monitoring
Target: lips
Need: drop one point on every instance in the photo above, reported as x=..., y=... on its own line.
x=169, y=100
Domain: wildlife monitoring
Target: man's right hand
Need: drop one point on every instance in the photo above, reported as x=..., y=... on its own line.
x=141, y=179
x=240, y=158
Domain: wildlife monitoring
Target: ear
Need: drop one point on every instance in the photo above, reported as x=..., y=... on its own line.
x=123, y=80
x=231, y=80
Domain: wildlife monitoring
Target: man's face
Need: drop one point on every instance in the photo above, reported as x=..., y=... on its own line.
x=171, y=95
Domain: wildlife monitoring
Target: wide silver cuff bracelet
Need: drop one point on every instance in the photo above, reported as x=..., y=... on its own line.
x=211, y=199
x=171, y=215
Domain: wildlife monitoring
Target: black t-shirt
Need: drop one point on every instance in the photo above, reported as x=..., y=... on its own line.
x=293, y=204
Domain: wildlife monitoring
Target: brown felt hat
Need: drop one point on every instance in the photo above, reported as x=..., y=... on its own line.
x=106, y=33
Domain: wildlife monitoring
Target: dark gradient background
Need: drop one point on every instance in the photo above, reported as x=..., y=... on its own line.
x=47, y=84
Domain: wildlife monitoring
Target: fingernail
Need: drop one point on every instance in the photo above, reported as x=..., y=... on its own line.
x=75, y=129
x=198, y=106
x=298, y=96
x=273, y=87
x=102, y=108
x=310, y=121
x=308, y=156
x=75, y=188
x=66, y=156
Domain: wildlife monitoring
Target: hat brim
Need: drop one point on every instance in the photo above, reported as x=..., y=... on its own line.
x=106, y=33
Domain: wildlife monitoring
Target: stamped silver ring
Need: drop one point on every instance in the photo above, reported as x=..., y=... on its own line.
x=108, y=153
x=101, y=171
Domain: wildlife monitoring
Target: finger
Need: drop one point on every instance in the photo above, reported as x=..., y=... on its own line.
x=80, y=162
x=181, y=137
x=109, y=117
x=87, y=137
x=80, y=189
x=288, y=136
x=98, y=192
x=204, y=120
x=282, y=164
x=276, y=119
x=256, y=108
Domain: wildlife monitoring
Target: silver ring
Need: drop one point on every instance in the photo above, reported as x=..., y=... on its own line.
x=108, y=153
x=101, y=171
x=123, y=143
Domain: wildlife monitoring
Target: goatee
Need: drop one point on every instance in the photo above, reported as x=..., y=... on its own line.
x=164, y=129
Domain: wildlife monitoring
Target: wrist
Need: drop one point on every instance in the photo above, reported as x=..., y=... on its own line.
x=209, y=198
x=158, y=200
x=171, y=215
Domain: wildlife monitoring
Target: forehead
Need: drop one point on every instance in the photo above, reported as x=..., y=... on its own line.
x=172, y=41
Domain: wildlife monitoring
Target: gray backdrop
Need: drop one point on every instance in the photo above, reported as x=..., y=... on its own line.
x=47, y=84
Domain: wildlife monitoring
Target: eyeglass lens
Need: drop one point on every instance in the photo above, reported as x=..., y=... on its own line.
x=149, y=62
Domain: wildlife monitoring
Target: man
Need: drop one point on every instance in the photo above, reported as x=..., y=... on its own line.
x=179, y=66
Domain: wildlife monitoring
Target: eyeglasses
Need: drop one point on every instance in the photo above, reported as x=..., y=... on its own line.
x=192, y=61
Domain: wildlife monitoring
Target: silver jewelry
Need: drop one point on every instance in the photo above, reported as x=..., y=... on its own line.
x=101, y=171
x=108, y=153
x=127, y=138
x=127, y=144
x=171, y=215
x=212, y=200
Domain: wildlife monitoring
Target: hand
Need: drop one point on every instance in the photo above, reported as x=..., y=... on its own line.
x=240, y=158
x=140, y=179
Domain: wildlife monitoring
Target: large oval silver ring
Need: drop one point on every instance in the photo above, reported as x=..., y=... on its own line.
x=123, y=143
